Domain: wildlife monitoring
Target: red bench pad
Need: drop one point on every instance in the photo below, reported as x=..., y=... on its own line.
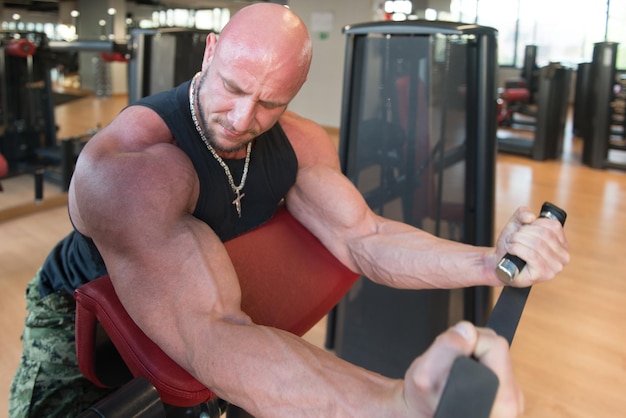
x=288, y=281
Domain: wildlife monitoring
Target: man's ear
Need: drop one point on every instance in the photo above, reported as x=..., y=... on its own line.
x=209, y=50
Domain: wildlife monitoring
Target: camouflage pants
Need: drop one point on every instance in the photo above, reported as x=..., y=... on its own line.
x=48, y=382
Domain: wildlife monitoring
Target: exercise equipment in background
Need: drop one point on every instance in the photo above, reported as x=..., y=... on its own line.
x=26, y=109
x=28, y=132
x=552, y=101
x=602, y=124
x=157, y=59
x=517, y=98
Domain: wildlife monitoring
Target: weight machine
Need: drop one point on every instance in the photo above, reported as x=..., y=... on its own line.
x=604, y=121
x=517, y=99
x=26, y=109
x=28, y=132
x=28, y=140
x=419, y=142
x=174, y=53
x=551, y=115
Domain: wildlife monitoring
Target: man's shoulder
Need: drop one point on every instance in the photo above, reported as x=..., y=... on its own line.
x=310, y=141
x=297, y=126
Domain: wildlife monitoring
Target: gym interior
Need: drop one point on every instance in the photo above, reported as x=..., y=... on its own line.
x=511, y=109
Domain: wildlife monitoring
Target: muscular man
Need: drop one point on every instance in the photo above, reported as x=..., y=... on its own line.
x=157, y=192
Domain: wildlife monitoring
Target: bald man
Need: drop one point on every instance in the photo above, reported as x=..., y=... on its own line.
x=157, y=192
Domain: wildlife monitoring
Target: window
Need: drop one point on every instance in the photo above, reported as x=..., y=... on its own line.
x=562, y=30
x=616, y=30
x=502, y=15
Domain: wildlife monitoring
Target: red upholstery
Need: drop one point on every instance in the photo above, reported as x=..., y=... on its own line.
x=97, y=302
x=113, y=57
x=288, y=279
x=4, y=166
x=516, y=95
x=21, y=48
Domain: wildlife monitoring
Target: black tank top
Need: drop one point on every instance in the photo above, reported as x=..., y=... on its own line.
x=271, y=173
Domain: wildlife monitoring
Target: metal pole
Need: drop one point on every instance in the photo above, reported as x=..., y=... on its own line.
x=95, y=46
x=606, y=22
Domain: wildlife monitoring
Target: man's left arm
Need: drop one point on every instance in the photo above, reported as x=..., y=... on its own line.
x=397, y=254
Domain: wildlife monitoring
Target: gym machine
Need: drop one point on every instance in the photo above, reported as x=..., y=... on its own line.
x=517, y=97
x=26, y=117
x=288, y=281
x=162, y=58
x=604, y=120
x=28, y=140
x=618, y=107
x=581, y=99
x=551, y=115
x=158, y=59
x=418, y=139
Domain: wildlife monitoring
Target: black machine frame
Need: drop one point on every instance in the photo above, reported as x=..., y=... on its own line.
x=600, y=93
x=552, y=99
x=363, y=328
x=28, y=132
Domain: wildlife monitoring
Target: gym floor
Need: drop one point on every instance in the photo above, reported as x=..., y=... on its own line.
x=568, y=353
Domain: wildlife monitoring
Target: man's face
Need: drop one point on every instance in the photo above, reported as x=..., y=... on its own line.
x=241, y=96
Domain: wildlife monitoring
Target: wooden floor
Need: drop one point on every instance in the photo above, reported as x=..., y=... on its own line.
x=570, y=350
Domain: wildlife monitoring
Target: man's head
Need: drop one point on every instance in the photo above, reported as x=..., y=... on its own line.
x=251, y=73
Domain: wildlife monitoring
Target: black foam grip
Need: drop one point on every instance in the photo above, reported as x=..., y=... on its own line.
x=469, y=392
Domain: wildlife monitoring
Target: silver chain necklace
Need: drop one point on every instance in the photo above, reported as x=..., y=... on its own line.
x=236, y=189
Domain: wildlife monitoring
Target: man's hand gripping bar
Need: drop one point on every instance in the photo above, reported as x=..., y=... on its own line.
x=471, y=387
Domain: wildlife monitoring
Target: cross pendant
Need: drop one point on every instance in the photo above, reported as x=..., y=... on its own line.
x=237, y=202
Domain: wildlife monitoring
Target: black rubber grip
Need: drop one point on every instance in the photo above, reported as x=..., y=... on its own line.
x=469, y=391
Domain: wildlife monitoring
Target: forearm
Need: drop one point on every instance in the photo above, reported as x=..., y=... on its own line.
x=385, y=251
x=271, y=373
x=401, y=256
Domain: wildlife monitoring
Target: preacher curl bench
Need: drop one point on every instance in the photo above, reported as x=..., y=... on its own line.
x=288, y=280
